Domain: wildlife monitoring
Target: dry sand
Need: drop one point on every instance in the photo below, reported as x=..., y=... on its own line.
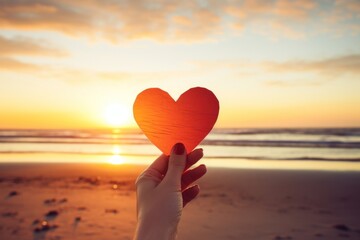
x=93, y=201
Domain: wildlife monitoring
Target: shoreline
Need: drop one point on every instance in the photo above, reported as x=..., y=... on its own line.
x=239, y=164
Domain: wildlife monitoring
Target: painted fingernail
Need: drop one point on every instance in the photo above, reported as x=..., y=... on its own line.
x=179, y=149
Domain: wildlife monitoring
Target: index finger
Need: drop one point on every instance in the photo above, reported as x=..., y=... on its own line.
x=160, y=165
x=194, y=157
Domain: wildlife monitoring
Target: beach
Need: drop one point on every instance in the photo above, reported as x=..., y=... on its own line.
x=264, y=93
x=98, y=201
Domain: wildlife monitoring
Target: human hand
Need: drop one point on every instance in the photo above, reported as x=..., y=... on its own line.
x=163, y=190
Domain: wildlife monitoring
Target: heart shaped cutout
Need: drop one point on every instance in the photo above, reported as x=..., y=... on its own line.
x=166, y=122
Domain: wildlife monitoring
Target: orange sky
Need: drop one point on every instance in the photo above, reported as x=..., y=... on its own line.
x=280, y=63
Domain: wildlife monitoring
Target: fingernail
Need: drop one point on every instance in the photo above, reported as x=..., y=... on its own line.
x=179, y=149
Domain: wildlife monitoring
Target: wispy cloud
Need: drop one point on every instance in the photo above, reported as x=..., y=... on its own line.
x=165, y=20
x=314, y=73
x=12, y=48
x=22, y=46
x=288, y=73
x=13, y=65
x=292, y=73
x=349, y=64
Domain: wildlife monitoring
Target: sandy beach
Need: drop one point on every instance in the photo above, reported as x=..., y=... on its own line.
x=97, y=201
x=92, y=92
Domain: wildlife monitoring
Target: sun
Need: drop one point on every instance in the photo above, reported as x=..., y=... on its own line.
x=117, y=115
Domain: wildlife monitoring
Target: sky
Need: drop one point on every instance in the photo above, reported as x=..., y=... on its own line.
x=273, y=63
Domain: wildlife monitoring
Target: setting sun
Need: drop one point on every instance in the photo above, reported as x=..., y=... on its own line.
x=102, y=100
x=117, y=115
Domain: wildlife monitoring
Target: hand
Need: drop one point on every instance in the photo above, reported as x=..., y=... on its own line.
x=163, y=190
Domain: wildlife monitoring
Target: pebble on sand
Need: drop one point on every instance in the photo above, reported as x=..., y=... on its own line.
x=81, y=208
x=36, y=222
x=13, y=193
x=114, y=211
x=283, y=238
x=52, y=201
x=341, y=227
x=9, y=214
x=52, y=213
x=91, y=181
x=45, y=226
x=49, y=201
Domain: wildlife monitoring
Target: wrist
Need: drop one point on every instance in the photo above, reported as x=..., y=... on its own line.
x=152, y=230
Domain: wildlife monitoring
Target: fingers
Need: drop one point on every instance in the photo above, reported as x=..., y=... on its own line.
x=176, y=166
x=160, y=164
x=148, y=179
x=194, y=157
x=192, y=175
x=152, y=175
x=189, y=194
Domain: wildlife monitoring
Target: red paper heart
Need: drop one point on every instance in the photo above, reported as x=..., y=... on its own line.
x=166, y=122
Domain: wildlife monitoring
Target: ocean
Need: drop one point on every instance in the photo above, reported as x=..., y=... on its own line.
x=311, y=148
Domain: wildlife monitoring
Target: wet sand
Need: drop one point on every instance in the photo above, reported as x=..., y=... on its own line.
x=97, y=201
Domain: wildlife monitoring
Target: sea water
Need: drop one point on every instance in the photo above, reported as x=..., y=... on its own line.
x=312, y=148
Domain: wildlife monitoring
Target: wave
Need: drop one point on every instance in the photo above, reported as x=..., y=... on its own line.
x=293, y=138
x=234, y=143
x=292, y=131
x=259, y=158
x=293, y=144
x=109, y=133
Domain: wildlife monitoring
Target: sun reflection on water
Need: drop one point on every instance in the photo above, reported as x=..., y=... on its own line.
x=116, y=158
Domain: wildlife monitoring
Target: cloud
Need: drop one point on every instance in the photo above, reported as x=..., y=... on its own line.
x=290, y=10
x=288, y=73
x=81, y=76
x=278, y=29
x=11, y=48
x=165, y=20
x=298, y=10
x=21, y=46
x=352, y=6
x=13, y=65
x=44, y=15
x=349, y=64
x=313, y=73
x=202, y=23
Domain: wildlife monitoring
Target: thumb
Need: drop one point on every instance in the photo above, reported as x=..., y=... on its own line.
x=177, y=162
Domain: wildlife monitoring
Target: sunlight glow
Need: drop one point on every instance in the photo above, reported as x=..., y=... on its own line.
x=116, y=158
x=117, y=115
x=116, y=150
